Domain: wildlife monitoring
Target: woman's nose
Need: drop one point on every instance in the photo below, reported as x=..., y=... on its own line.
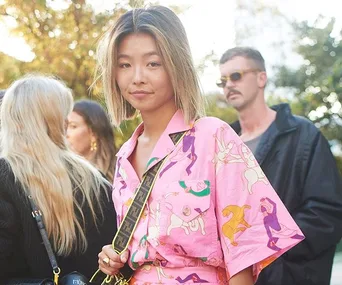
x=139, y=76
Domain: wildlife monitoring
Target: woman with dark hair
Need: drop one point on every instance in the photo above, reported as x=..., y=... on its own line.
x=90, y=135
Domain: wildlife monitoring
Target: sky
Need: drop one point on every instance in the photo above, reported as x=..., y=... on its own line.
x=210, y=27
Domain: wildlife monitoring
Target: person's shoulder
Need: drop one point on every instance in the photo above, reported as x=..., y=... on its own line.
x=306, y=127
x=210, y=123
x=308, y=135
x=304, y=122
x=5, y=168
x=7, y=180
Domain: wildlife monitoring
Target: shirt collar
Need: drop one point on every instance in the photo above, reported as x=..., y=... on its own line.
x=164, y=145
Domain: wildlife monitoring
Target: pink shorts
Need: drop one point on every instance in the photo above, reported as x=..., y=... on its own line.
x=150, y=274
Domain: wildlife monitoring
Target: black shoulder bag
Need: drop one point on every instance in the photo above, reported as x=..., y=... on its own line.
x=69, y=279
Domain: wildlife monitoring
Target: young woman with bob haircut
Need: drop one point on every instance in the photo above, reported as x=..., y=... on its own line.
x=211, y=217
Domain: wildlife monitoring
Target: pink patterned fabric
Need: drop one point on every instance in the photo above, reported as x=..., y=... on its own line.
x=212, y=211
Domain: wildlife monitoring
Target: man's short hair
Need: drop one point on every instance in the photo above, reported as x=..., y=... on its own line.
x=246, y=52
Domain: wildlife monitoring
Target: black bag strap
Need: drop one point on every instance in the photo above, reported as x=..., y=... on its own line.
x=37, y=215
x=127, y=227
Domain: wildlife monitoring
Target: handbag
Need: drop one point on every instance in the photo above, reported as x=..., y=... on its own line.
x=29, y=281
x=129, y=223
x=69, y=279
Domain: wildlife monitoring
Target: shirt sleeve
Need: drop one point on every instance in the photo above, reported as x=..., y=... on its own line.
x=254, y=226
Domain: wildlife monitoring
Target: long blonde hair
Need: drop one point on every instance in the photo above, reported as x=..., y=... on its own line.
x=171, y=40
x=33, y=117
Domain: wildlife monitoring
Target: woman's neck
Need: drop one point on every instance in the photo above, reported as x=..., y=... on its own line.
x=156, y=123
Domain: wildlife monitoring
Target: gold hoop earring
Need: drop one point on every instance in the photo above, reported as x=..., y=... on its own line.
x=93, y=146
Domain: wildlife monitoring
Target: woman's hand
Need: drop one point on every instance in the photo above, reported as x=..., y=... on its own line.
x=110, y=262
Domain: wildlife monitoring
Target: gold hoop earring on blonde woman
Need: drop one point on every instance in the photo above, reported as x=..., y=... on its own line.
x=93, y=146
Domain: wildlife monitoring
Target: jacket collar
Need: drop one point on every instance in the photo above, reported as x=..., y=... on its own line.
x=164, y=145
x=284, y=122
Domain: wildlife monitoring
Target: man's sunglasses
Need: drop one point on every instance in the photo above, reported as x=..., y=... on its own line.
x=233, y=77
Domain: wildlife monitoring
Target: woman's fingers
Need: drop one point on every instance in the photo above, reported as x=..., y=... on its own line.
x=124, y=256
x=110, y=262
x=107, y=271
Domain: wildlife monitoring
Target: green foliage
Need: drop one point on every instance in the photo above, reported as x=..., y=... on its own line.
x=317, y=83
x=217, y=107
x=63, y=38
x=339, y=163
x=10, y=69
x=125, y=131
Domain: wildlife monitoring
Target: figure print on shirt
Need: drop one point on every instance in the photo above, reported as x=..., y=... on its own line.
x=237, y=222
x=142, y=249
x=224, y=153
x=151, y=160
x=275, y=230
x=178, y=249
x=154, y=231
x=253, y=173
x=121, y=175
x=203, y=188
x=187, y=199
x=213, y=260
x=159, y=263
x=178, y=220
x=187, y=151
x=194, y=278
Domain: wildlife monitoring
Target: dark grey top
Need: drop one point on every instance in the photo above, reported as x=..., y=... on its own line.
x=253, y=144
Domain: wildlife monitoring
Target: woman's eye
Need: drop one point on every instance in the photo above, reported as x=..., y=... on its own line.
x=124, y=65
x=154, y=64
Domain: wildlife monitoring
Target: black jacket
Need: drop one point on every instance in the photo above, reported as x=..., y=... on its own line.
x=297, y=160
x=22, y=253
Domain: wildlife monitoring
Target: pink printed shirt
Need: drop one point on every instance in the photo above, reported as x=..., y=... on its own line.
x=211, y=213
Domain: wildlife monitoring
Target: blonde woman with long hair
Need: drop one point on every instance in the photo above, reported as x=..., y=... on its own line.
x=71, y=194
x=200, y=223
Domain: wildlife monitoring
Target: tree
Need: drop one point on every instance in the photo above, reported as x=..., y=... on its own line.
x=317, y=83
x=62, y=35
x=255, y=23
x=217, y=107
x=10, y=69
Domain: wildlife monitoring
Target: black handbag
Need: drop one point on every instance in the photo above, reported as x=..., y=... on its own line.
x=69, y=279
x=28, y=281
